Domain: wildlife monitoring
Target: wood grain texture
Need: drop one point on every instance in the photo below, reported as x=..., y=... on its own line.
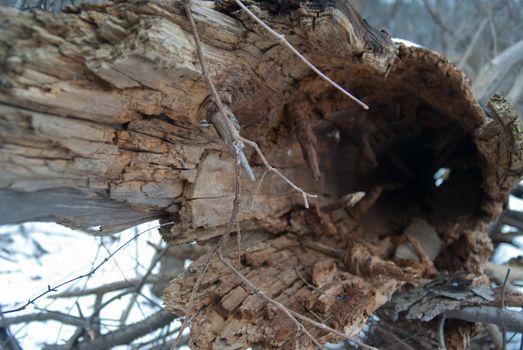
x=103, y=109
x=105, y=99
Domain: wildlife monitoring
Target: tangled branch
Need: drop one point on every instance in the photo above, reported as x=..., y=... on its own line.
x=86, y=275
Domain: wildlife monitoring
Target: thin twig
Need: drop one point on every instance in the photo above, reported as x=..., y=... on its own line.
x=234, y=217
x=312, y=287
x=229, y=131
x=230, y=134
x=472, y=44
x=96, y=313
x=441, y=332
x=179, y=337
x=203, y=62
x=196, y=286
x=155, y=261
x=277, y=172
x=237, y=142
x=329, y=329
x=88, y=274
x=502, y=306
x=512, y=337
x=257, y=189
x=81, y=330
x=125, y=278
x=239, y=242
x=84, y=286
x=229, y=128
x=285, y=42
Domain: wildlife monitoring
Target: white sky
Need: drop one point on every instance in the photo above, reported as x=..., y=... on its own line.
x=71, y=253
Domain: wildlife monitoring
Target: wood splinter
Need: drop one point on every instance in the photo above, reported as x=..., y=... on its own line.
x=301, y=122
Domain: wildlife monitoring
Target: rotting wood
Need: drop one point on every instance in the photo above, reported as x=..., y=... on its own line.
x=103, y=104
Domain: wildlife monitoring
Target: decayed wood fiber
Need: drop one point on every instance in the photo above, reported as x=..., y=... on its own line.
x=88, y=102
x=106, y=101
x=308, y=282
x=421, y=94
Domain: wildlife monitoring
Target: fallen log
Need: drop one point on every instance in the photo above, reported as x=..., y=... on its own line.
x=105, y=122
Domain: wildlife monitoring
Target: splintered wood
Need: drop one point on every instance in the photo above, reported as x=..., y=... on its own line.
x=298, y=277
x=103, y=121
x=382, y=221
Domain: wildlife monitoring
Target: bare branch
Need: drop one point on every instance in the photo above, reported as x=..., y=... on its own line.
x=89, y=274
x=436, y=18
x=155, y=261
x=285, y=42
x=7, y=340
x=513, y=218
x=502, y=306
x=472, y=44
x=42, y=317
x=516, y=91
x=441, y=333
x=127, y=334
x=113, y=286
x=277, y=172
x=494, y=72
x=511, y=320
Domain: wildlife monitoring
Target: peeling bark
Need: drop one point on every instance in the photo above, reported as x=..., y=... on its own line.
x=103, y=109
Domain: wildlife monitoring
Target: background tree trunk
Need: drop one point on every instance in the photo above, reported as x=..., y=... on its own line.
x=104, y=121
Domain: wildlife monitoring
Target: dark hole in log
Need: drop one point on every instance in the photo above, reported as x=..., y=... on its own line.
x=420, y=154
x=425, y=162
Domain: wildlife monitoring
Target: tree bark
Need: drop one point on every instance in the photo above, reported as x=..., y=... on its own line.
x=104, y=121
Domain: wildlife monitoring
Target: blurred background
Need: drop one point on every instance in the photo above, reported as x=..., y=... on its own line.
x=482, y=37
x=121, y=301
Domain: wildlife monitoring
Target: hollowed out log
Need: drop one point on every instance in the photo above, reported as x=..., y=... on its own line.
x=106, y=105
